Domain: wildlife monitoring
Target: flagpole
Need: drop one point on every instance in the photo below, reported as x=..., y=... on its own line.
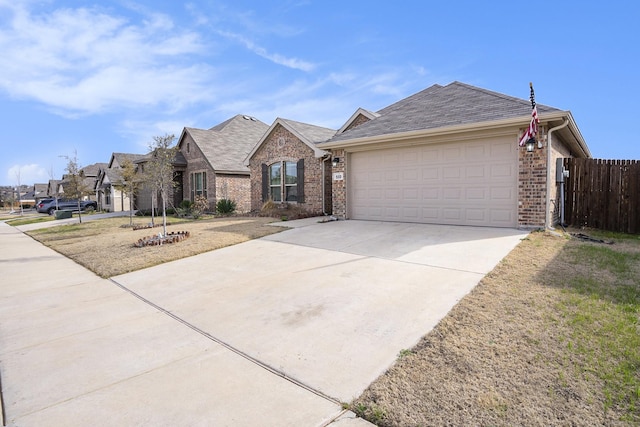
x=528, y=139
x=532, y=97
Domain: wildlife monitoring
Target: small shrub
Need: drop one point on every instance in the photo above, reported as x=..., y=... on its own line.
x=285, y=211
x=199, y=206
x=268, y=206
x=225, y=207
x=184, y=209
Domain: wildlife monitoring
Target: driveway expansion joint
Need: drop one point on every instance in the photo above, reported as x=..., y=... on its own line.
x=228, y=346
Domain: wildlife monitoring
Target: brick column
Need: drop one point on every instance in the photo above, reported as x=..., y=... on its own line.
x=532, y=185
x=339, y=187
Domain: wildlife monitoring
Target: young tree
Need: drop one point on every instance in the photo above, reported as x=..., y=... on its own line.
x=159, y=171
x=74, y=185
x=18, y=190
x=129, y=184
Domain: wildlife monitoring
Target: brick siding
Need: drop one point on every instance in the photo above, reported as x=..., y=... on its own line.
x=357, y=122
x=236, y=188
x=233, y=187
x=281, y=145
x=339, y=187
x=532, y=185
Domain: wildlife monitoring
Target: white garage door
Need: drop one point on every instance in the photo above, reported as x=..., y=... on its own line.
x=462, y=183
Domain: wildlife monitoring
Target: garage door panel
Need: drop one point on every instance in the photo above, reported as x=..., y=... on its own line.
x=430, y=194
x=475, y=152
x=450, y=193
x=452, y=154
x=502, y=170
x=430, y=174
x=451, y=214
x=477, y=194
x=476, y=215
x=451, y=172
x=411, y=194
x=506, y=194
x=476, y=171
x=466, y=183
x=502, y=215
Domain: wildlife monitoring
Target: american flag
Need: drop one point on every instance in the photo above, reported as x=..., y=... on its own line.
x=532, y=130
x=533, y=125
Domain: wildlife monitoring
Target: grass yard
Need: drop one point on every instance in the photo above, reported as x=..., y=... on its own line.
x=550, y=337
x=29, y=220
x=106, y=246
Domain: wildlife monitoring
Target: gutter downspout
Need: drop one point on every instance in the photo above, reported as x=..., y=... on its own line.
x=547, y=222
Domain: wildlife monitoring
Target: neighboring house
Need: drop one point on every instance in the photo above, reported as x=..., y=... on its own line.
x=449, y=155
x=109, y=196
x=54, y=188
x=214, y=158
x=40, y=192
x=147, y=198
x=287, y=166
x=90, y=174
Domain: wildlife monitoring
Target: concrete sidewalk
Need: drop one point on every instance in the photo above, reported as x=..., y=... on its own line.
x=78, y=350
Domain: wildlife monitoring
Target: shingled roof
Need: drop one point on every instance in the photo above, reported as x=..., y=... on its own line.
x=443, y=106
x=226, y=145
x=121, y=158
x=311, y=135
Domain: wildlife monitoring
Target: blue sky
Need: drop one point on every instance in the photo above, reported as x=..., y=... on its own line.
x=100, y=77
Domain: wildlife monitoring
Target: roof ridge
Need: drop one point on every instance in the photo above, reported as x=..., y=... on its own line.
x=290, y=121
x=496, y=94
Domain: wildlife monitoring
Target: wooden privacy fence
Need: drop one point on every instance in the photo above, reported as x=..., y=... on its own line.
x=603, y=194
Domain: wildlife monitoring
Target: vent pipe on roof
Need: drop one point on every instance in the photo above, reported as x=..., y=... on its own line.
x=547, y=222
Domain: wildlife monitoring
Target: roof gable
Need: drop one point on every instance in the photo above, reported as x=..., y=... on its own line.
x=118, y=159
x=443, y=106
x=309, y=134
x=360, y=112
x=226, y=145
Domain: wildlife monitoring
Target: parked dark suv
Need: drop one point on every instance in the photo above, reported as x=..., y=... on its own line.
x=49, y=205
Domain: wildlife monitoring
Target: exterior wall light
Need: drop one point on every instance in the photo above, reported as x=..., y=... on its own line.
x=335, y=161
x=531, y=145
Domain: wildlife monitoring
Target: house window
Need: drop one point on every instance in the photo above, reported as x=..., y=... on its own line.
x=283, y=182
x=107, y=196
x=198, y=185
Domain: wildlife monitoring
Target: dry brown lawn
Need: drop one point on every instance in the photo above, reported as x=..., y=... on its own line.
x=509, y=355
x=106, y=247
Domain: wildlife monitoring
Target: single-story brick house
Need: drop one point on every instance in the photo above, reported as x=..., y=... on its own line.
x=445, y=155
x=214, y=161
x=148, y=198
x=90, y=174
x=109, y=197
x=288, y=167
x=450, y=155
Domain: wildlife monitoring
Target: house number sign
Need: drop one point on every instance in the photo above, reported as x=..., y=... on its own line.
x=338, y=176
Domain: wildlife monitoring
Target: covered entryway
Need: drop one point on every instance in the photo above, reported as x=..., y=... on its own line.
x=458, y=183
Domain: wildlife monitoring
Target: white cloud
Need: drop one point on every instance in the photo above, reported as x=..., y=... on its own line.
x=84, y=61
x=276, y=58
x=27, y=174
x=141, y=132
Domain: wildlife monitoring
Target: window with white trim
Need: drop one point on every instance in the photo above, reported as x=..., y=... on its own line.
x=283, y=182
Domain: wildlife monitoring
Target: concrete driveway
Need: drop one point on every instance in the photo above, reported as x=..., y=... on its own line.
x=276, y=331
